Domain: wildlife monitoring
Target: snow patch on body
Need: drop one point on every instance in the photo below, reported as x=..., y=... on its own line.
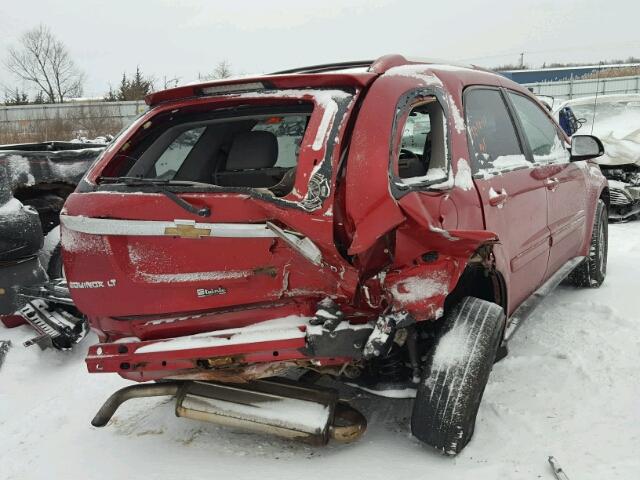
x=330, y=111
x=458, y=121
x=415, y=289
x=443, y=232
x=418, y=72
x=194, y=276
x=271, y=330
x=140, y=255
x=493, y=194
x=463, y=177
x=502, y=164
x=76, y=242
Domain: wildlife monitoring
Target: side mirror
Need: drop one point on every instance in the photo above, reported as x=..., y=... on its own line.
x=585, y=147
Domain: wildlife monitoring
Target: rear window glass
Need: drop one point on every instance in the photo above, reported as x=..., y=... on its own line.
x=171, y=159
x=289, y=131
x=251, y=150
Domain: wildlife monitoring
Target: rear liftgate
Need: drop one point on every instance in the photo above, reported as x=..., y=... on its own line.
x=286, y=409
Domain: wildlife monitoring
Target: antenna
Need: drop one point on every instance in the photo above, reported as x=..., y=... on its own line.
x=595, y=100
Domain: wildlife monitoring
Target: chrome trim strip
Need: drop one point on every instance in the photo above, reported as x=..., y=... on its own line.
x=110, y=226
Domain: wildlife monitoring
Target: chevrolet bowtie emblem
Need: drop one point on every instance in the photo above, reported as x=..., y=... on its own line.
x=187, y=231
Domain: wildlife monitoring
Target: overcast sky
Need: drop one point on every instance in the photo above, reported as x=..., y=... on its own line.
x=180, y=38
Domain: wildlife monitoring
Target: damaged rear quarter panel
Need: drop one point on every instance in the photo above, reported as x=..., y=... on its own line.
x=447, y=221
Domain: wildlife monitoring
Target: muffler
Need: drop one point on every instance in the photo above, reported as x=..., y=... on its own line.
x=286, y=409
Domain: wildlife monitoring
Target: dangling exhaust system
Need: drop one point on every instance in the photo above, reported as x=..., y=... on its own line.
x=286, y=409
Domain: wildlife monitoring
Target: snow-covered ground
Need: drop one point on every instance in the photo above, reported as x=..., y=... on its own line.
x=570, y=387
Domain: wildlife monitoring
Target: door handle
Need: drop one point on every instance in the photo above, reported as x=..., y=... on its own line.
x=551, y=183
x=497, y=199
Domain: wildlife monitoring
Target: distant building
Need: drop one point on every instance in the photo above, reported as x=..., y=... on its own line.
x=557, y=74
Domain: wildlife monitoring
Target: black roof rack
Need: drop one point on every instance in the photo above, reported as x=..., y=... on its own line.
x=328, y=67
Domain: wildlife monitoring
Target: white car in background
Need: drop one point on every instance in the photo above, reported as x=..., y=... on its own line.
x=615, y=120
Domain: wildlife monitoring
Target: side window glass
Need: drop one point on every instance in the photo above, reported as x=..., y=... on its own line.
x=493, y=142
x=172, y=158
x=422, y=155
x=541, y=132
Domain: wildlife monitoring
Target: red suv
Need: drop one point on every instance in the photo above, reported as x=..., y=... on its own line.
x=387, y=223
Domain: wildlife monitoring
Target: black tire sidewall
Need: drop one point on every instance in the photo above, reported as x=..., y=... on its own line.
x=428, y=421
x=600, y=225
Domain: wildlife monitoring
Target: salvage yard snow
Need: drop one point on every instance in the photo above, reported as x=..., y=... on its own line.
x=570, y=388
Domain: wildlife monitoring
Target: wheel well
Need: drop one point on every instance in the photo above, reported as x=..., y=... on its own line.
x=478, y=281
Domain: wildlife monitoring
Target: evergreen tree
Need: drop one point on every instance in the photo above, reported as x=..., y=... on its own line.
x=135, y=88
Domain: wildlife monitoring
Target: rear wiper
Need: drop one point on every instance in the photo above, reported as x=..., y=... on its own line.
x=159, y=184
x=150, y=181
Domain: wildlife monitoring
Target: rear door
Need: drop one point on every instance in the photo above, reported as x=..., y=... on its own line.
x=565, y=181
x=514, y=200
x=265, y=168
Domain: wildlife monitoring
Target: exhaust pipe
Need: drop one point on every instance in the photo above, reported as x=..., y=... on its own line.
x=133, y=391
x=286, y=409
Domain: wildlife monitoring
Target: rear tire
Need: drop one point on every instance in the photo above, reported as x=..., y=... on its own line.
x=455, y=375
x=593, y=270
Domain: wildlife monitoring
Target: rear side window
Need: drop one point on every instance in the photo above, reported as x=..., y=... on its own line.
x=493, y=142
x=540, y=131
x=421, y=157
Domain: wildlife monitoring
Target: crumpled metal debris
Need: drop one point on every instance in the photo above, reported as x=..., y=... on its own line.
x=384, y=333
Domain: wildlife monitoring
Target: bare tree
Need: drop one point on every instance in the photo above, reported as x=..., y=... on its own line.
x=221, y=70
x=170, y=82
x=44, y=61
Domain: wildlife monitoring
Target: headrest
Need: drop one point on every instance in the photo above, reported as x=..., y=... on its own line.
x=255, y=149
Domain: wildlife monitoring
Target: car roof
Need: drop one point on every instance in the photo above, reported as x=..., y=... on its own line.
x=358, y=73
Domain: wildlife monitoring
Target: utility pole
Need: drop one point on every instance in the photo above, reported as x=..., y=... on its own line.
x=522, y=60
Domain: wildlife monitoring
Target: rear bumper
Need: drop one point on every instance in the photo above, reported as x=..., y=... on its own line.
x=232, y=355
